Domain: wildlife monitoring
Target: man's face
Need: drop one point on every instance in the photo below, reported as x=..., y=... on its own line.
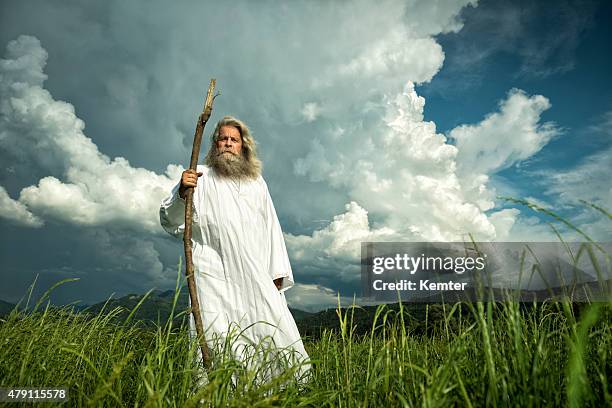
x=229, y=141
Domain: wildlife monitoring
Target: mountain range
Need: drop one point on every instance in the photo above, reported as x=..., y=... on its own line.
x=156, y=307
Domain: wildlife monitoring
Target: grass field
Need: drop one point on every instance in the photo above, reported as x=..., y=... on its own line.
x=504, y=354
x=481, y=354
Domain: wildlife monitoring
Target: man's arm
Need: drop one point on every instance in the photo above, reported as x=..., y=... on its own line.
x=172, y=209
x=172, y=213
x=280, y=268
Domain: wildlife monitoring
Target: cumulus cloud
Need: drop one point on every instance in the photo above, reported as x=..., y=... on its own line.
x=87, y=189
x=96, y=190
x=402, y=170
x=434, y=17
x=16, y=212
x=335, y=248
x=397, y=54
x=397, y=167
x=314, y=298
x=387, y=47
x=504, y=138
x=421, y=187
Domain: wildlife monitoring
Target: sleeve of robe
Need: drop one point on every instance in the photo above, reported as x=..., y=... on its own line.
x=172, y=213
x=172, y=210
x=279, y=259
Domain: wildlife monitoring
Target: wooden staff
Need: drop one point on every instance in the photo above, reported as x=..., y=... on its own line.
x=189, y=270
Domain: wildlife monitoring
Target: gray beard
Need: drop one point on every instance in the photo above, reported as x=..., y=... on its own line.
x=230, y=165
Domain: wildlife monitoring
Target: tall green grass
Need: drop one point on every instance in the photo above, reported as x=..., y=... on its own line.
x=486, y=354
x=470, y=354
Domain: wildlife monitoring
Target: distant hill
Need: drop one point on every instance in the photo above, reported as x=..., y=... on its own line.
x=431, y=311
x=158, y=306
x=155, y=308
x=362, y=318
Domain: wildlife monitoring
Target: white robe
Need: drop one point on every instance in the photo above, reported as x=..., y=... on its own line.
x=238, y=250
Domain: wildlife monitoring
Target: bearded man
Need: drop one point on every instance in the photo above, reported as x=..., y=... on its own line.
x=241, y=264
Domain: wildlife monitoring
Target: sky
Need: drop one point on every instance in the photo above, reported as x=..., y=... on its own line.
x=375, y=121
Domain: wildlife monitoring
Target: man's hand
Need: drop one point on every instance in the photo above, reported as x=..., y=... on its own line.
x=278, y=282
x=189, y=179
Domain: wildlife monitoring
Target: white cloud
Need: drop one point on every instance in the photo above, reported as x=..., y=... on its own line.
x=96, y=190
x=373, y=52
x=423, y=188
x=340, y=239
x=518, y=227
x=314, y=298
x=311, y=111
x=564, y=190
x=589, y=181
x=402, y=170
x=504, y=138
x=397, y=54
x=435, y=17
x=504, y=221
x=16, y=212
x=23, y=64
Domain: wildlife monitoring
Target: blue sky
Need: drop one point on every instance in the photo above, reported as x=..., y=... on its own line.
x=571, y=69
x=397, y=121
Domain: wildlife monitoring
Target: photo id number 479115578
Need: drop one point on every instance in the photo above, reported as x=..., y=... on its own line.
x=33, y=394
